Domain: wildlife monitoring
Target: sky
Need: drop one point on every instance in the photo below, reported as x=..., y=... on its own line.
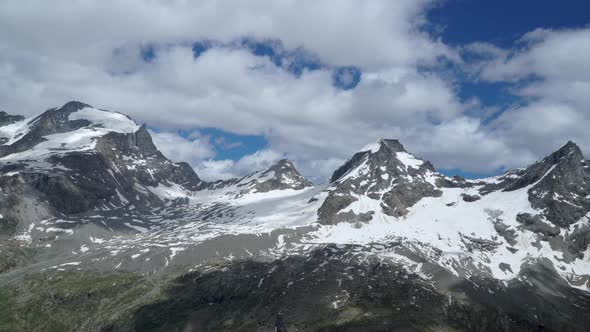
x=476, y=87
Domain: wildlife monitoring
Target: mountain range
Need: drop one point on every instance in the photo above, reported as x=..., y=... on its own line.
x=99, y=231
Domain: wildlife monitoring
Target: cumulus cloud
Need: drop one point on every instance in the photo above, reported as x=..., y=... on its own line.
x=52, y=52
x=192, y=149
x=551, y=54
x=379, y=33
x=551, y=76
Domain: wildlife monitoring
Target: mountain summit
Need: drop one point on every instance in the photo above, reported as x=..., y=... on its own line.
x=385, y=175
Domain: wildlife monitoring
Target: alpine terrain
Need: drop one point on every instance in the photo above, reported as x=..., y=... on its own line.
x=99, y=231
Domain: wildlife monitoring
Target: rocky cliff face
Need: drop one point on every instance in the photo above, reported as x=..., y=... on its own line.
x=562, y=190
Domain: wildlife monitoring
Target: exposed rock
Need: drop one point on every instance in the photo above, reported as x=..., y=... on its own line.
x=403, y=196
x=537, y=225
x=560, y=185
x=470, y=198
x=505, y=267
x=579, y=240
x=504, y=230
x=474, y=243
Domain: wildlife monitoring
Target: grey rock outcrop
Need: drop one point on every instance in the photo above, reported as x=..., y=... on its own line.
x=537, y=225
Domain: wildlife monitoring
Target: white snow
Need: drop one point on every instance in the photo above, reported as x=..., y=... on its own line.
x=112, y=121
x=408, y=159
x=135, y=227
x=70, y=264
x=82, y=139
x=373, y=147
x=16, y=130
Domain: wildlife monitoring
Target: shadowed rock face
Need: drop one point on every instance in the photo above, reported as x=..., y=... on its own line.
x=387, y=174
x=329, y=291
x=564, y=193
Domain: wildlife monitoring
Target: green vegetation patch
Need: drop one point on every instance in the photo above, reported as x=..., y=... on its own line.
x=70, y=300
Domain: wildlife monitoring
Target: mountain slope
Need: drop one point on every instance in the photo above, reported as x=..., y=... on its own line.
x=86, y=191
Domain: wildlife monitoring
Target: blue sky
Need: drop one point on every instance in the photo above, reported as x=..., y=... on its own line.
x=476, y=87
x=502, y=22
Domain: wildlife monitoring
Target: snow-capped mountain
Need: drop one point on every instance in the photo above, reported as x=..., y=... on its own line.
x=492, y=226
x=87, y=189
x=77, y=158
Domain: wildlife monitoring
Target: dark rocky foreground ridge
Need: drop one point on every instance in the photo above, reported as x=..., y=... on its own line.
x=99, y=231
x=325, y=291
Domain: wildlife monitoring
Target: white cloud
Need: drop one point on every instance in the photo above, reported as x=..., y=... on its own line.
x=52, y=52
x=212, y=170
x=553, y=77
x=177, y=148
x=368, y=34
x=551, y=54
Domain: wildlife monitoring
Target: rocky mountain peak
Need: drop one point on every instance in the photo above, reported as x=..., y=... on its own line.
x=385, y=145
x=386, y=155
x=281, y=165
x=58, y=120
x=568, y=153
x=563, y=190
x=73, y=106
x=558, y=185
x=568, y=158
x=279, y=176
x=384, y=172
